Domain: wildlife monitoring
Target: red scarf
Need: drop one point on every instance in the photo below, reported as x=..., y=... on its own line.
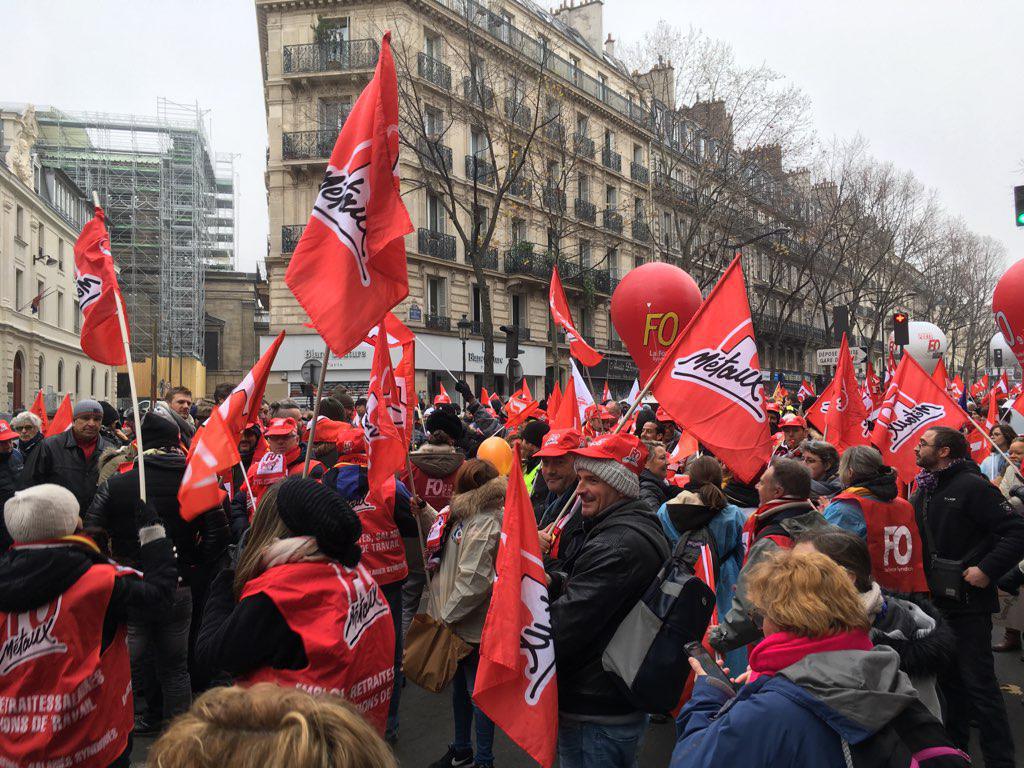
x=782, y=649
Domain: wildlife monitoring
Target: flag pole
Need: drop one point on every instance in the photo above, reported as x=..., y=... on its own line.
x=316, y=410
x=988, y=437
x=123, y=325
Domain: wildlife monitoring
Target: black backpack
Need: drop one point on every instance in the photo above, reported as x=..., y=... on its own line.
x=912, y=738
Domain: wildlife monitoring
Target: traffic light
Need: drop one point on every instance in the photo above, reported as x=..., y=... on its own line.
x=901, y=329
x=997, y=357
x=511, y=341
x=1018, y=204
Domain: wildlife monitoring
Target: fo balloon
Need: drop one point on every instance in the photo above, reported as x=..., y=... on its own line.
x=650, y=307
x=497, y=453
x=1008, y=308
x=927, y=344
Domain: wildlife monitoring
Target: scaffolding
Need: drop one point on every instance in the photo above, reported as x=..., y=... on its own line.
x=156, y=181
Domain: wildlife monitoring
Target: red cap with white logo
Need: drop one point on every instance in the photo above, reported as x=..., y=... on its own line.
x=559, y=442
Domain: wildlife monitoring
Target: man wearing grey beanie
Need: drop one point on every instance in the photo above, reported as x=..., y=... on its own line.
x=71, y=458
x=592, y=590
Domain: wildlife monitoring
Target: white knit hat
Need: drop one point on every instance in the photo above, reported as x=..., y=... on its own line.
x=41, y=512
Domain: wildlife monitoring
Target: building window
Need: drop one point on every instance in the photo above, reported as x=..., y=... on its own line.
x=518, y=310
x=42, y=238
x=60, y=375
x=611, y=197
x=583, y=187
x=60, y=254
x=609, y=139
x=331, y=113
x=478, y=143
x=638, y=208
x=435, y=213
x=585, y=254
x=78, y=382
x=517, y=231
x=40, y=289
x=433, y=122
x=42, y=367
x=19, y=290
x=211, y=356
x=582, y=126
x=432, y=46
x=666, y=228
x=60, y=310
x=78, y=316
x=333, y=30
x=19, y=223
x=477, y=314
x=638, y=154
x=437, y=296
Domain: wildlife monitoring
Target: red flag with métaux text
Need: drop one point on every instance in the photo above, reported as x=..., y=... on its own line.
x=840, y=413
x=578, y=348
x=98, y=293
x=62, y=418
x=405, y=372
x=710, y=381
x=349, y=267
x=39, y=409
x=516, y=685
x=214, y=452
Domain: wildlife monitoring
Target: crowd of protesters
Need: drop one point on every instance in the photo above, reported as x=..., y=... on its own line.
x=270, y=628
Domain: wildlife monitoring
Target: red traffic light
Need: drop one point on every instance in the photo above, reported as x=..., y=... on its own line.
x=899, y=317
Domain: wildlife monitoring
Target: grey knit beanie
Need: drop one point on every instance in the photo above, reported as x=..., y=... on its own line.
x=85, y=406
x=41, y=512
x=618, y=476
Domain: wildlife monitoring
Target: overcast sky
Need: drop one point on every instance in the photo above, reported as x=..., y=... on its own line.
x=934, y=86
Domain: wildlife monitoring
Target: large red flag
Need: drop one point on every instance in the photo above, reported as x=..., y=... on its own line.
x=554, y=400
x=914, y=403
x=516, y=685
x=98, y=293
x=62, y=418
x=386, y=445
x=214, y=451
x=520, y=407
x=39, y=409
x=578, y=348
x=940, y=375
x=840, y=413
x=710, y=381
x=349, y=267
x=242, y=406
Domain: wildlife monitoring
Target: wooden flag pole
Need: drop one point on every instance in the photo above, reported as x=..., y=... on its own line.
x=122, y=323
x=316, y=410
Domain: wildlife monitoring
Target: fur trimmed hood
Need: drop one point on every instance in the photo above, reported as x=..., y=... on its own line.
x=488, y=497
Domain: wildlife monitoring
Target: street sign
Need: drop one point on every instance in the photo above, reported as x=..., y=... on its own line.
x=831, y=356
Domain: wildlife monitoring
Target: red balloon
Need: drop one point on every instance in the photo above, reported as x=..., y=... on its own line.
x=1008, y=308
x=651, y=305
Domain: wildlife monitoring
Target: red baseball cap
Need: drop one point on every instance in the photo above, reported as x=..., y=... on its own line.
x=773, y=407
x=621, y=447
x=559, y=442
x=606, y=415
x=280, y=427
x=792, y=420
x=662, y=415
x=6, y=433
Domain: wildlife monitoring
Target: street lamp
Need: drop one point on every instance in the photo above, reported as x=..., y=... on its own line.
x=464, y=325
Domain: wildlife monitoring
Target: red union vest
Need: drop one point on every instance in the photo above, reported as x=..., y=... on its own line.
x=436, y=491
x=383, y=549
x=346, y=630
x=893, y=541
x=62, y=702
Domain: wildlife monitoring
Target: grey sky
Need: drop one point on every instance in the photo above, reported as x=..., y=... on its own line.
x=934, y=86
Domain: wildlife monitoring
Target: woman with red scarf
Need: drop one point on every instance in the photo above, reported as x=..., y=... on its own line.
x=817, y=692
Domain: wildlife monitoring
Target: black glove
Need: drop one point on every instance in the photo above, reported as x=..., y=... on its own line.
x=463, y=389
x=146, y=514
x=1012, y=581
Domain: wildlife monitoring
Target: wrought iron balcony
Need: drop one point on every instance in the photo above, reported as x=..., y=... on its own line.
x=610, y=159
x=330, y=56
x=437, y=322
x=583, y=145
x=436, y=244
x=518, y=113
x=675, y=188
x=434, y=71
x=641, y=231
x=639, y=172
x=434, y=155
x=553, y=199
x=488, y=259
x=308, y=145
x=612, y=221
x=520, y=187
x=290, y=236
x=586, y=211
x=479, y=170
x=615, y=345
x=477, y=93
x=555, y=131
x=524, y=332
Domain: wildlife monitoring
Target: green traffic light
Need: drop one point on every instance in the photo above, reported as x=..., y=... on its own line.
x=1020, y=219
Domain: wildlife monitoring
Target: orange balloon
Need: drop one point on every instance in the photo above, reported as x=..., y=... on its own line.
x=498, y=453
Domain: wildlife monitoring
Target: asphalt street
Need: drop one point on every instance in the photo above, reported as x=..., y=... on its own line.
x=426, y=727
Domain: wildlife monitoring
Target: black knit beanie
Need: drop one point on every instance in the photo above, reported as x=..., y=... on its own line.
x=443, y=420
x=533, y=432
x=159, y=430
x=311, y=509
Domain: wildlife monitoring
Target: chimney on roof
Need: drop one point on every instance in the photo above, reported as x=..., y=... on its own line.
x=609, y=45
x=586, y=18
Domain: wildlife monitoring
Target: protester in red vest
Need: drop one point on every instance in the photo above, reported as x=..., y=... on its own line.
x=870, y=508
x=65, y=678
x=301, y=609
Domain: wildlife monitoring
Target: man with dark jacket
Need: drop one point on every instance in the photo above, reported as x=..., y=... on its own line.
x=531, y=438
x=71, y=459
x=964, y=520
x=11, y=464
x=654, y=491
x=591, y=592
x=162, y=643
x=63, y=606
x=559, y=534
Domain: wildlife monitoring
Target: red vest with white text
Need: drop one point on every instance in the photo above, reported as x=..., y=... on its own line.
x=381, y=542
x=346, y=630
x=893, y=541
x=62, y=701
x=436, y=491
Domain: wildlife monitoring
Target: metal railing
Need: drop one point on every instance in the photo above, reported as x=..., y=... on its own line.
x=520, y=187
x=611, y=159
x=612, y=221
x=583, y=145
x=290, y=236
x=434, y=71
x=586, y=211
x=533, y=260
x=488, y=259
x=477, y=93
x=435, y=155
x=307, y=145
x=436, y=244
x=479, y=170
x=641, y=231
x=518, y=113
x=553, y=199
x=676, y=188
x=554, y=131
x=639, y=172
x=437, y=322
x=329, y=56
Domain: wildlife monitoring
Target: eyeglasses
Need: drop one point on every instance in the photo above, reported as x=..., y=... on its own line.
x=922, y=444
x=24, y=428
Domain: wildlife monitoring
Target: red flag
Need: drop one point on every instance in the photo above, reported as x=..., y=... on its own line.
x=568, y=415
x=349, y=267
x=1001, y=390
x=806, y=390
x=913, y=404
x=710, y=381
x=979, y=386
x=685, y=448
x=214, y=450
x=554, y=399
x=873, y=383
x=386, y=445
x=98, y=293
x=62, y=418
x=956, y=387
x=516, y=683
x=442, y=396
x=39, y=409
x=520, y=407
x=781, y=393
x=939, y=374
x=405, y=372
x=606, y=395
x=578, y=348
x=485, y=396
x=242, y=406
x=840, y=413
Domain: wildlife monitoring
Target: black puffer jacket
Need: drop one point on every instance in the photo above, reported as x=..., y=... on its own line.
x=969, y=520
x=654, y=491
x=198, y=543
x=59, y=460
x=915, y=629
x=591, y=593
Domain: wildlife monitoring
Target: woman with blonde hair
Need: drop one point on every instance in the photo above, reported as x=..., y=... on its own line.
x=270, y=726
x=817, y=692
